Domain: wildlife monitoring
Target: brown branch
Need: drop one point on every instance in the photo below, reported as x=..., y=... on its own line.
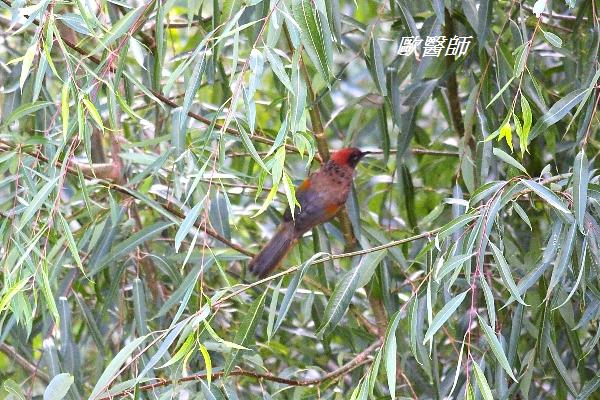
x=15, y=357
x=421, y=151
x=360, y=359
x=207, y=121
x=554, y=15
x=329, y=257
x=129, y=193
x=452, y=85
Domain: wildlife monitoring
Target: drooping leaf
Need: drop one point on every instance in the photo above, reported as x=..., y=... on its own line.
x=246, y=330
x=315, y=34
x=505, y=273
x=484, y=387
x=580, y=188
x=443, y=315
x=339, y=301
x=549, y=197
x=557, y=112
x=496, y=348
x=58, y=387
x=509, y=160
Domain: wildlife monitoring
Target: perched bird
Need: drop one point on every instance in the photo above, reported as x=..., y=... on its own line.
x=320, y=197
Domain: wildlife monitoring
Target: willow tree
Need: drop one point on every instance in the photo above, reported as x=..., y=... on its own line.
x=149, y=148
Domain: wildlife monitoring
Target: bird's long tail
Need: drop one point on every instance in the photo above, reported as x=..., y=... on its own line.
x=274, y=251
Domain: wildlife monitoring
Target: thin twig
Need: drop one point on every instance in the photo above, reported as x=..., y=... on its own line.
x=452, y=85
x=328, y=258
x=554, y=15
x=129, y=193
x=360, y=359
x=15, y=357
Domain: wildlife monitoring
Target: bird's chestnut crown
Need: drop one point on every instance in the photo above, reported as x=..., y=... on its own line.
x=349, y=156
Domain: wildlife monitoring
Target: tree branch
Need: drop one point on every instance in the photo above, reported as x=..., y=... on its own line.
x=452, y=85
x=328, y=258
x=360, y=359
x=554, y=15
x=129, y=193
x=14, y=356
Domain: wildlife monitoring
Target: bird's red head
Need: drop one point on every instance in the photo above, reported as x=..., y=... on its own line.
x=349, y=156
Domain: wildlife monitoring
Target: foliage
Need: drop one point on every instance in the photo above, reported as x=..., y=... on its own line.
x=149, y=148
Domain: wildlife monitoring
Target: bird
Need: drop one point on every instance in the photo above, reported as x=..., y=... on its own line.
x=320, y=197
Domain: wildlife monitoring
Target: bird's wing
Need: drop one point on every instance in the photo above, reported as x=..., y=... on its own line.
x=305, y=194
x=314, y=207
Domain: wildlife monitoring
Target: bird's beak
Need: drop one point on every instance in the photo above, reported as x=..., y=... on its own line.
x=365, y=153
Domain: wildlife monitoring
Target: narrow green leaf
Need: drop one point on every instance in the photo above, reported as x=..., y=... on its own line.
x=278, y=69
x=119, y=29
x=519, y=210
x=139, y=306
x=558, y=111
x=163, y=348
x=192, y=86
x=580, y=187
x=48, y=293
x=521, y=57
x=273, y=308
x=246, y=330
x=389, y=348
x=339, y=301
x=37, y=202
x=131, y=243
x=58, y=387
x=368, y=264
x=93, y=113
x=315, y=35
x=25, y=109
x=509, y=160
x=589, y=388
x=564, y=257
x=450, y=265
x=484, y=17
x=291, y=291
x=11, y=292
x=502, y=89
x=576, y=286
x=561, y=369
x=298, y=98
x=527, y=120
x=64, y=108
x=186, y=348
x=489, y=300
x=548, y=196
x=207, y=362
x=505, y=273
x=442, y=316
x=188, y=223
x=455, y=225
x=249, y=145
x=484, y=387
x=114, y=366
x=71, y=242
x=553, y=39
x=27, y=63
x=13, y=389
x=496, y=348
x=379, y=67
